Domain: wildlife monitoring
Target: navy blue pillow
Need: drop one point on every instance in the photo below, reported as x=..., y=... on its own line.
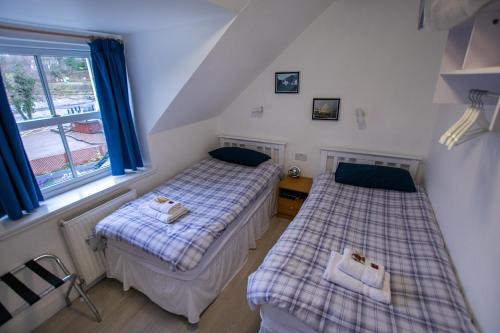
x=375, y=176
x=240, y=156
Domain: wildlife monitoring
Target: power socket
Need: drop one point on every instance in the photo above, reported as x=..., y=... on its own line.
x=301, y=157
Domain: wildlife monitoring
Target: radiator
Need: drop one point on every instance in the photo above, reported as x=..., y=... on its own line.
x=89, y=263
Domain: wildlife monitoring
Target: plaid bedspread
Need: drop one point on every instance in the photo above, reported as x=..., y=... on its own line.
x=396, y=229
x=215, y=192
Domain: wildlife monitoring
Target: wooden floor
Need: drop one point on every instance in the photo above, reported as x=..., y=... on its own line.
x=133, y=312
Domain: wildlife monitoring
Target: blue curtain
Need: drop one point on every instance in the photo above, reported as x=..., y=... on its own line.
x=18, y=187
x=110, y=78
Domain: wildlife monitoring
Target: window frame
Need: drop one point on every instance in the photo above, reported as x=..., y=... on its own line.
x=37, y=50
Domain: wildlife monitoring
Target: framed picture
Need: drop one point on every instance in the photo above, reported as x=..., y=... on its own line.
x=286, y=82
x=326, y=108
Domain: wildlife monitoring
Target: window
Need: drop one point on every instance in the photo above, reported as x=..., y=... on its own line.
x=53, y=100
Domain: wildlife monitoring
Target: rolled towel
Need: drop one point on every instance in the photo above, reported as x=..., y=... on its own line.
x=335, y=275
x=167, y=218
x=358, y=267
x=165, y=205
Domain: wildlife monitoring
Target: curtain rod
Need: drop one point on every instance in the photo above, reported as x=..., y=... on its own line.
x=86, y=36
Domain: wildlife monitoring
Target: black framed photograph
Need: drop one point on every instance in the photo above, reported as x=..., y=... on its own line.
x=326, y=108
x=286, y=82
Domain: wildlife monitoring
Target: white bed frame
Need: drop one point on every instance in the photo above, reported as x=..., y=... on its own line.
x=331, y=157
x=274, y=148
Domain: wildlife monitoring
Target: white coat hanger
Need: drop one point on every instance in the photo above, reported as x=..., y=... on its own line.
x=456, y=126
x=473, y=122
x=464, y=129
x=446, y=138
x=471, y=125
x=460, y=134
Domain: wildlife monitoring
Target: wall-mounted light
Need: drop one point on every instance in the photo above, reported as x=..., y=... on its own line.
x=361, y=118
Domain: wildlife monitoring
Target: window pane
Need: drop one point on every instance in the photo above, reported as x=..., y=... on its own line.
x=47, y=156
x=24, y=90
x=70, y=84
x=70, y=87
x=87, y=145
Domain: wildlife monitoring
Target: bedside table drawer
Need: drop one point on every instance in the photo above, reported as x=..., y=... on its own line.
x=288, y=206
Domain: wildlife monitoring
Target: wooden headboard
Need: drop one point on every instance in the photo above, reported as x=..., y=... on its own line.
x=273, y=148
x=331, y=157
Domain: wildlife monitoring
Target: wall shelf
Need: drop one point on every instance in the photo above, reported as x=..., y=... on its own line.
x=494, y=70
x=471, y=59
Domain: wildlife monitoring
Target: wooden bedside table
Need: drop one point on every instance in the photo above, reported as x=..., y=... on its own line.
x=291, y=195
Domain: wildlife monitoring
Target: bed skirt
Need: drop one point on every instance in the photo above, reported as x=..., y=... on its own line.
x=189, y=293
x=274, y=320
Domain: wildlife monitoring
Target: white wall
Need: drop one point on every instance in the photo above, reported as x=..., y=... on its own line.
x=371, y=55
x=178, y=148
x=160, y=62
x=256, y=36
x=42, y=238
x=464, y=188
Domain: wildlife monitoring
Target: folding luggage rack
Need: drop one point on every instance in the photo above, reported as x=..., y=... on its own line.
x=30, y=297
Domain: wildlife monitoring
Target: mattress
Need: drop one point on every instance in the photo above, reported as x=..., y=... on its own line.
x=267, y=193
x=188, y=293
x=394, y=228
x=215, y=192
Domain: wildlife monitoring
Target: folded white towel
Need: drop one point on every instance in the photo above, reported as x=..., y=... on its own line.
x=350, y=266
x=368, y=272
x=167, y=218
x=335, y=275
x=165, y=205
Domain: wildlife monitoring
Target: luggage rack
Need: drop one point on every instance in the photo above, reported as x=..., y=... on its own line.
x=30, y=297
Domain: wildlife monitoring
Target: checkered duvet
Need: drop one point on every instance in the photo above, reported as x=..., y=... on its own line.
x=215, y=192
x=394, y=228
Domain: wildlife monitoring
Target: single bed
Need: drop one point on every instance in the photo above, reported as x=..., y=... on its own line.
x=183, y=266
x=395, y=228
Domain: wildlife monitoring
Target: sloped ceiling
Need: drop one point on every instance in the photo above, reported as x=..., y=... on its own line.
x=232, y=5
x=159, y=64
x=111, y=16
x=258, y=34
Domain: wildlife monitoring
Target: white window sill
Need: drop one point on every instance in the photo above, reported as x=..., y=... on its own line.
x=66, y=201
